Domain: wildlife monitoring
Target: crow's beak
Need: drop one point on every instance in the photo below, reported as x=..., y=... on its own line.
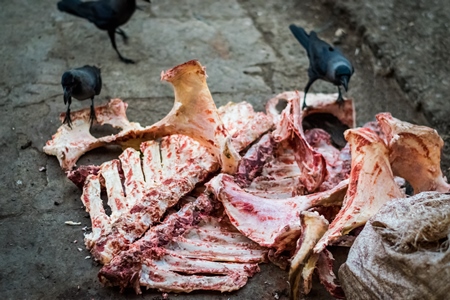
x=67, y=94
x=344, y=82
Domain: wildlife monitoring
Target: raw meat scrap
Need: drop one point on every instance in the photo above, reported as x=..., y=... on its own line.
x=414, y=153
x=244, y=125
x=68, y=145
x=303, y=263
x=320, y=103
x=78, y=176
x=338, y=162
x=124, y=269
x=326, y=274
x=312, y=165
x=371, y=184
x=316, y=164
x=167, y=171
x=194, y=114
x=190, y=250
x=253, y=161
x=216, y=240
x=269, y=222
x=171, y=272
x=270, y=170
x=288, y=163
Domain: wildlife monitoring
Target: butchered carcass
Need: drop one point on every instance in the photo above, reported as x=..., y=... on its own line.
x=140, y=190
x=271, y=223
x=414, y=153
x=371, y=184
x=142, y=185
x=286, y=189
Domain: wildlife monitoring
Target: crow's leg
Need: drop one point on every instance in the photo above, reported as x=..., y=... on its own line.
x=123, y=34
x=308, y=85
x=112, y=37
x=92, y=116
x=340, y=100
x=67, y=119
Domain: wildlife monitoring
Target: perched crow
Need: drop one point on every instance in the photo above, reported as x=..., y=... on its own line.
x=105, y=14
x=81, y=83
x=325, y=62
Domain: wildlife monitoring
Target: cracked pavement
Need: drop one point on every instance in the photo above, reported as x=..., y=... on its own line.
x=249, y=54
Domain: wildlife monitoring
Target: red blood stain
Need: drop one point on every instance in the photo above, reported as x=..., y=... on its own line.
x=419, y=141
x=376, y=172
x=86, y=199
x=119, y=204
x=152, y=193
x=129, y=175
x=354, y=175
x=96, y=223
x=137, y=208
x=168, y=181
x=233, y=221
x=246, y=207
x=100, y=246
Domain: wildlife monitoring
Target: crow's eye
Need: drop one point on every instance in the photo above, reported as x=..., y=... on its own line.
x=331, y=48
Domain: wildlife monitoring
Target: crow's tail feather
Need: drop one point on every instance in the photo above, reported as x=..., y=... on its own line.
x=301, y=35
x=73, y=7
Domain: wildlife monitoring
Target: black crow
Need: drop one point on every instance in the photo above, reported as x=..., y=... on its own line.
x=105, y=14
x=81, y=83
x=325, y=62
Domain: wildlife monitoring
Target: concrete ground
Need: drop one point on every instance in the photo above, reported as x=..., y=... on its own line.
x=399, y=49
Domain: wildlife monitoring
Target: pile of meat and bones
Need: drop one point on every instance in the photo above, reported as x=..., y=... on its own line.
x=203, y=196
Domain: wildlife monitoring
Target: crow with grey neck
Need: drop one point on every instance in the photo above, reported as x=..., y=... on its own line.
x=81, y=83
x=107, y=15
x=325, y=62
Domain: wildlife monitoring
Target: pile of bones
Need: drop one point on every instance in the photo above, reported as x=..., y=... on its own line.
x=203, y=196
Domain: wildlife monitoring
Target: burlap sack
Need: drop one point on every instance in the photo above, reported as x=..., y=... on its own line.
x=403, y=252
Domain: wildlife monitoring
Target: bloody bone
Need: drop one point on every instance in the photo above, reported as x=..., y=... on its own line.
x=188, y=251
x=303, y=263
x=269, y=222
x=414, y=153
x=166, y=173
x=371, y=184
